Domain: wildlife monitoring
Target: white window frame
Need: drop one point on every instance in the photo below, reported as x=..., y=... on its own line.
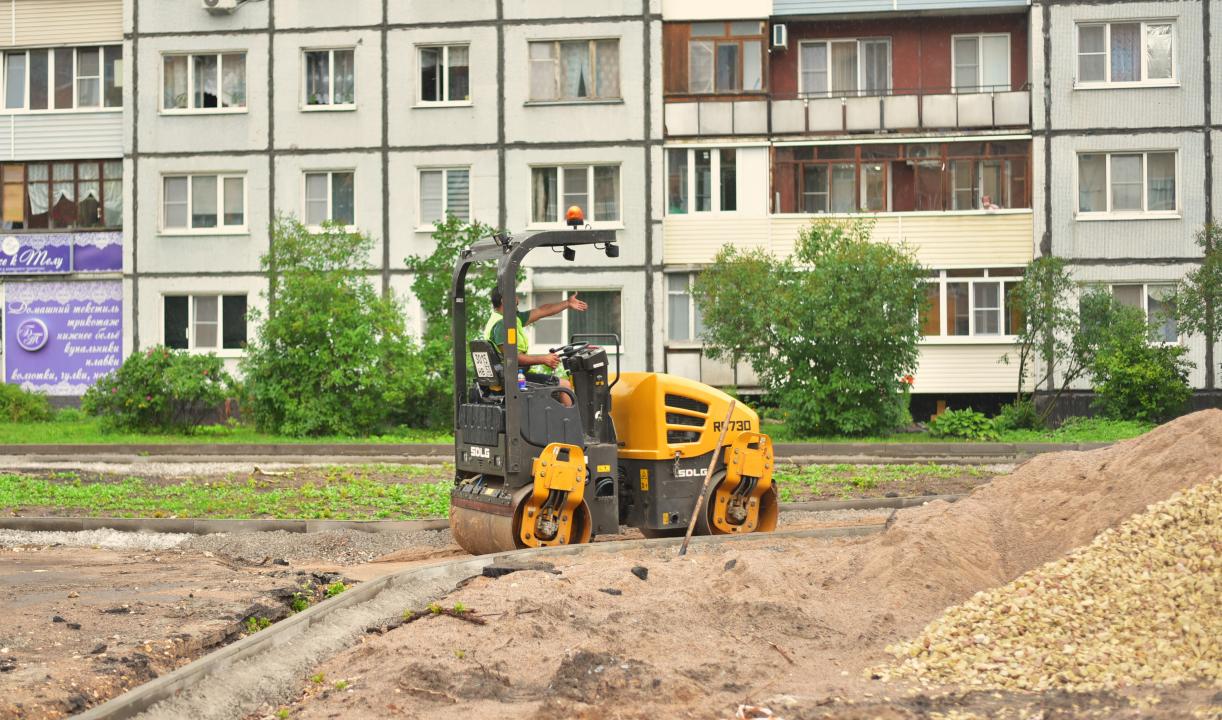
x=591, y=48
x=330, y=173
x=445, y=75
x=536, y=348
x=714, y=168
x=589, y=211
x=220, y=75
x=979, y=87
x=1145, y=304
x=329, y=106
x=221, y=228
x=1143, y=81
x=220, y=296
x=1110, y=214
x=1004, y=275
x=76, y=108
x=421, y=224
x=857, y=41
x=693, y=312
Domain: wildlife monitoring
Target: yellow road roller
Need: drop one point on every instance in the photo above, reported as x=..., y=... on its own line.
x=541, y=464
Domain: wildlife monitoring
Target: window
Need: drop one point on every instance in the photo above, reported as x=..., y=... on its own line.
x=86, y=195
x=1155, y=300
x=574, y=70
x=982, y=63
x=973, y=303
x=205, y=322
x=201, y=202
x=64, y=78
x=445, y=74
x=1126, y=53
x=330, y=79
x=329, y=196
x=835, y=68
x=601, y=317
x=726, y=57
x=444, y=191
x=200, y=83
x=1126, y=183
x=683, y=320
x=713, y=182
x=593, y=188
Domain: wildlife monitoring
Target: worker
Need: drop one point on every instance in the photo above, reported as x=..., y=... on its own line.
x=538, y=368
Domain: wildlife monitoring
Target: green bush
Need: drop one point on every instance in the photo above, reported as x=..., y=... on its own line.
x=332, y=356
x=1134, y=378
x=18, y=405
x=1018, y=415
x=1084, y=429
x=967, y=424
x=69, y=415
x=159, y=390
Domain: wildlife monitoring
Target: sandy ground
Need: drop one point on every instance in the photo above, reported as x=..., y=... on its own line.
x=793, y=625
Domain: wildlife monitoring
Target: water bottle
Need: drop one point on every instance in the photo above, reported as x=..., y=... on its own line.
x=521, y=380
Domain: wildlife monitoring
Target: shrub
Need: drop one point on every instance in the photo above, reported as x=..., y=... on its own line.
x=332, y=355
x=159, y=390
x=18, y=405
x=831, y=331
x=967, y=424
x=69, y=415
x=1018, y=415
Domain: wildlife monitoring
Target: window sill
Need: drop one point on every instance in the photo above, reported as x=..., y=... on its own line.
x=207, y=111
x=1140, y=84
x=684, y=345
x=205, y=232
x=426, y=104
x=327, y=108
x=60, y=111
x=316, y=229
x=968, y=340
x=562, y=226
x=562, y=103
x=223, y=354
x=1125, y=217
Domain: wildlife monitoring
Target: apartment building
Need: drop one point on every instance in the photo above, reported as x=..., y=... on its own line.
x=1126, y=148
x=914, y=114
x=62, y=203
x=385, y=117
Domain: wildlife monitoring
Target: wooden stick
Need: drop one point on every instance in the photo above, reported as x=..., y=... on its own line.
x=708, y=477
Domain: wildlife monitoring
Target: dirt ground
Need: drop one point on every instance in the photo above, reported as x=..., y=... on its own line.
x=786, y=624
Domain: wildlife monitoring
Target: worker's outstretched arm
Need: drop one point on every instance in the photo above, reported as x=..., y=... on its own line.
x=572, y=303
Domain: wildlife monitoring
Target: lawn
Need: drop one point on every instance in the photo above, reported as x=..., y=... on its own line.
x=835, y=482
x=1077, y=430
x=88, y=430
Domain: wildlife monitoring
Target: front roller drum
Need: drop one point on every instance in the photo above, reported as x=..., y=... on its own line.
x=723, y=514
x=483, y=531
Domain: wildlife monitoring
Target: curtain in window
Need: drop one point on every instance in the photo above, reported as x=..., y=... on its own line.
x=63, y=195
x=607, y=56
x=13, y=199
x=235, y=201
x=874, y=187
x=203, y=201
x=205, y=81
x=1126, y=52
x=700, y=66
x=175, y=96
x=1160, y=308
x=814, y=68
x=678, y=311
x=602, y=316
x=575, y=79
x=89, y=190
x=1126, y=182
x=1092, y=53
x=1092, y=180
x=876, y=66
x=315, y=198
x=577, y=189
x=318, y=78
x=233, y=80
x=460, y=74
x=606, y=193
x=753, y=70
x=88, y=77
x=844, y=189
x=1128, y=296
x=995, y=50
x=112, y=193
x=676, y=181
x=1160, y=171
x=174, y=202
x=988, y=308
x=1158, y=52
x=206, y=321
x=543, y=190
x=542, y=71
x=345, y=77
x=458, y=193
x=431, y=197
x=844, y=68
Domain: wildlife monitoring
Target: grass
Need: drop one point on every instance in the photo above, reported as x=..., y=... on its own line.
x=794, y=483
x=89, y=431
x=340, y=496
x=1076, y=430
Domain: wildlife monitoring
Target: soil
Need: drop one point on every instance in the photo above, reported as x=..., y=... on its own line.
x=915, y=484
x=269, y=477
x=788, y=624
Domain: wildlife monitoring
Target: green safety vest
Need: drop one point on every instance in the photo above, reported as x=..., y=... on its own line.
x=522, y=342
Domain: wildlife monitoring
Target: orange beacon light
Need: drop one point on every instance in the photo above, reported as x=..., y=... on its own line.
x=575, y=217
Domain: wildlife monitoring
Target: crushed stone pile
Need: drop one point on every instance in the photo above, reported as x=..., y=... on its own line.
x=1141, y=604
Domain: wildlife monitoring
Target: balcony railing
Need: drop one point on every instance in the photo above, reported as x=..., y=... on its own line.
x=821, y=113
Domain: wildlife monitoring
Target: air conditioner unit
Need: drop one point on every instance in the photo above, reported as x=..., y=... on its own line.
x=780, y=36
x=220, y=7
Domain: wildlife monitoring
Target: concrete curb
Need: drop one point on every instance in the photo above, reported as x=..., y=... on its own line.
x=206, y=527
x=255, y=668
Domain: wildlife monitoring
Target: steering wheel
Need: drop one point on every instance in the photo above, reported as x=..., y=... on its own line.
x=568, y=351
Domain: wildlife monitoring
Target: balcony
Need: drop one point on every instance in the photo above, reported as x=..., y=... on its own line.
x=717, y=118
x=799, y=8
x=902, y=111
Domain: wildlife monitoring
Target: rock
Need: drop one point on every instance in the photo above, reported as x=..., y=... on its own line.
x=58, y=619
x=98, y=649
x=730, y=564
x=611, y=591
x=641, y=572
x=74, y=626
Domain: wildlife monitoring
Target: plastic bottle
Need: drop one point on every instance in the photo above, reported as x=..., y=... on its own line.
x=521, y=380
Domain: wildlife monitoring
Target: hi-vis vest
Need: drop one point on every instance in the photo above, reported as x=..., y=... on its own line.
x=522, y=343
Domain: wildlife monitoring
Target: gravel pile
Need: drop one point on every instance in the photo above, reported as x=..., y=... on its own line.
x=344, y=547
x=108, y=539
x=1140, y=604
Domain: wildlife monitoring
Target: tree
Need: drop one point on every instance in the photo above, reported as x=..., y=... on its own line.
x=831, y=331
x=332, y=355
x=1198, y=296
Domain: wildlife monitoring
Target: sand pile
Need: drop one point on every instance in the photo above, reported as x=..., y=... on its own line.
x=1140, y=604
x=749, y=620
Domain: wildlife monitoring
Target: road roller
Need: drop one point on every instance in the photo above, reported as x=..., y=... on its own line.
x=539, y=463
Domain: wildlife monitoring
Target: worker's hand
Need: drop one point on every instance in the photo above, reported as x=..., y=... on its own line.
x=551, y=360
x=575, y=304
